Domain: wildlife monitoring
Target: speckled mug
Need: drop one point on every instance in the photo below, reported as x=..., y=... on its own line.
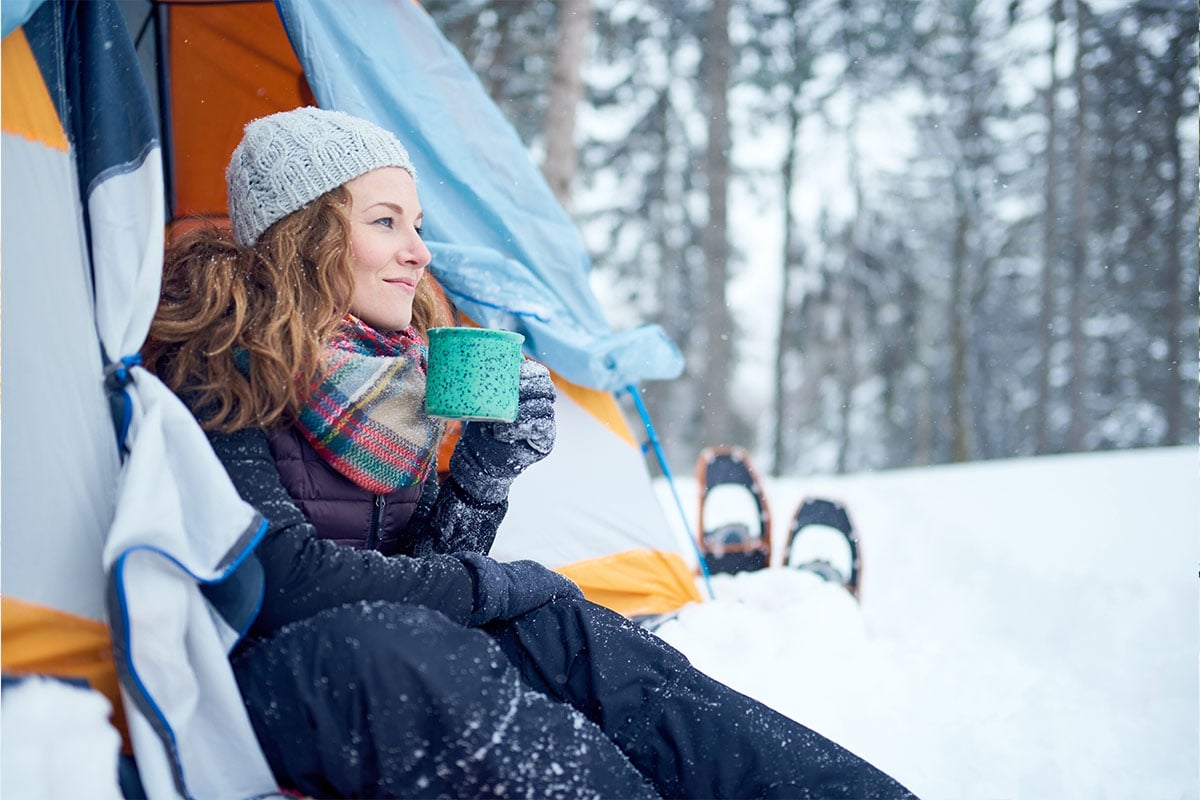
x=473, y=374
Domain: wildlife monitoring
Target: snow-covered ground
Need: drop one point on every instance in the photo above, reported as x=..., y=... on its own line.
x=1028, y=628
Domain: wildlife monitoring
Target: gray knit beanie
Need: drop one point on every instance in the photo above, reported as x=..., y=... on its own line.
x=287, y=160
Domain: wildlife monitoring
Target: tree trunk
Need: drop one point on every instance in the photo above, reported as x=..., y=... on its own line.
x=791, y=309
x=785, y=345
x=566, y=92
x=1041, y=424
x=844, y=368
x=669, y=399
x=718, y=362
x=1080, y=230
x=959, y=415
x=1173, y=321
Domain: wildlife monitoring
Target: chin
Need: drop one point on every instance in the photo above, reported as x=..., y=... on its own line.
x=387, y=325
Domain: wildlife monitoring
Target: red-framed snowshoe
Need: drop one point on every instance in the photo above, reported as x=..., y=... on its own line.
x=734, y=522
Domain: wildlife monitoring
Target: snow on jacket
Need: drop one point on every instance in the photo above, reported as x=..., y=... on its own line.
x=303, y=574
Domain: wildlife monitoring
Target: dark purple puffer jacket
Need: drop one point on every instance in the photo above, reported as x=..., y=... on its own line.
x=337, y=507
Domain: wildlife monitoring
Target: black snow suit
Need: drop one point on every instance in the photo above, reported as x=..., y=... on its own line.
x=459, y=676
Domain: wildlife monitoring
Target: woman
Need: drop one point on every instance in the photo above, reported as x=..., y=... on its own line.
x=434, y=670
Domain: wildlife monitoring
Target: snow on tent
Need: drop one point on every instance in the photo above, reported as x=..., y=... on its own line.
x=115, y=512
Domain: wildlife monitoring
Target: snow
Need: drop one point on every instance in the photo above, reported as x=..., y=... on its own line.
x=1028, y=628
x=57, y=743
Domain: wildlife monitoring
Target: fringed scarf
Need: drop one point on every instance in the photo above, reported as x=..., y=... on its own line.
x=366, y=413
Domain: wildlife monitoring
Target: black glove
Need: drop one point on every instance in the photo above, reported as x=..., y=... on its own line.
x=507, y=589
x=490, y=455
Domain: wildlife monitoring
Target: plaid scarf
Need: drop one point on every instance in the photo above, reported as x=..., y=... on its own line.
x=365, y=414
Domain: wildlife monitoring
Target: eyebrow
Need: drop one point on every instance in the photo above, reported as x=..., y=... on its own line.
x=399, y=209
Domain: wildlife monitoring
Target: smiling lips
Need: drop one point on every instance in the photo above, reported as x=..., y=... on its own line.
x=405, y=282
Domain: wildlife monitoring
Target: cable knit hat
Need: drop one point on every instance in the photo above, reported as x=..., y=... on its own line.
x=287, y=160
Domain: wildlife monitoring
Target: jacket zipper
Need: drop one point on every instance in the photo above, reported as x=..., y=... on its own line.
x=376, y=522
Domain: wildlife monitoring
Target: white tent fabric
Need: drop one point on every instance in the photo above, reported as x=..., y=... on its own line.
x=58, y=452
x=552, y=521
x=177, y=520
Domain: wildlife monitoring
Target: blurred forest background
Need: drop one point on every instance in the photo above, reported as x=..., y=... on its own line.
x=883, y=232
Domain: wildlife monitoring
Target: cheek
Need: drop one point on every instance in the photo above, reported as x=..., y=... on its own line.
x=360, y=275
x=364, y=246
x=363, y=257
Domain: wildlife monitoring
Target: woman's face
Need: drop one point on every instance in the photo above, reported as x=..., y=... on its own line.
x=388, y=254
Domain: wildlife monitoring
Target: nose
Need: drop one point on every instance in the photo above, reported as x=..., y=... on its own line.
x=415, y=253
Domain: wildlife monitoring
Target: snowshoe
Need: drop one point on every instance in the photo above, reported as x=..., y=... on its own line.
x=734, y=522
x=830, y=547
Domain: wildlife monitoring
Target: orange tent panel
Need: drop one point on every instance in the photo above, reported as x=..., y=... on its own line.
x=635, y=583
x=28, y=110
x=228, y=64
x=38, y=640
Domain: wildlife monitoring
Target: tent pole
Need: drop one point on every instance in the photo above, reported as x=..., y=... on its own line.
x=166, y=128
x=662, y=463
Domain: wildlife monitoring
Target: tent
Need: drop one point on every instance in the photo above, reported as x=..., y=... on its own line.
x=117, y=120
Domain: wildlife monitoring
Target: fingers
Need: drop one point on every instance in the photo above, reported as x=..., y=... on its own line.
x=529, y=368
x=538, y=433
x=535, y=382
x=534, y=426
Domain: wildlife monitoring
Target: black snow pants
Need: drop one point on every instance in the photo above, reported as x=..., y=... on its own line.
x=568, y=701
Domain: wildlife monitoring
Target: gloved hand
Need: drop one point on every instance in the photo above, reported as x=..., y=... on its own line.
x=507, y=589
x=490, y=455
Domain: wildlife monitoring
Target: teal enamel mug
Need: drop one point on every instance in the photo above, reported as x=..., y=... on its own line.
x=473, y=374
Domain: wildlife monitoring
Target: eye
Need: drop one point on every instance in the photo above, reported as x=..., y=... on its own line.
x=420, y=229
x=386, y=222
